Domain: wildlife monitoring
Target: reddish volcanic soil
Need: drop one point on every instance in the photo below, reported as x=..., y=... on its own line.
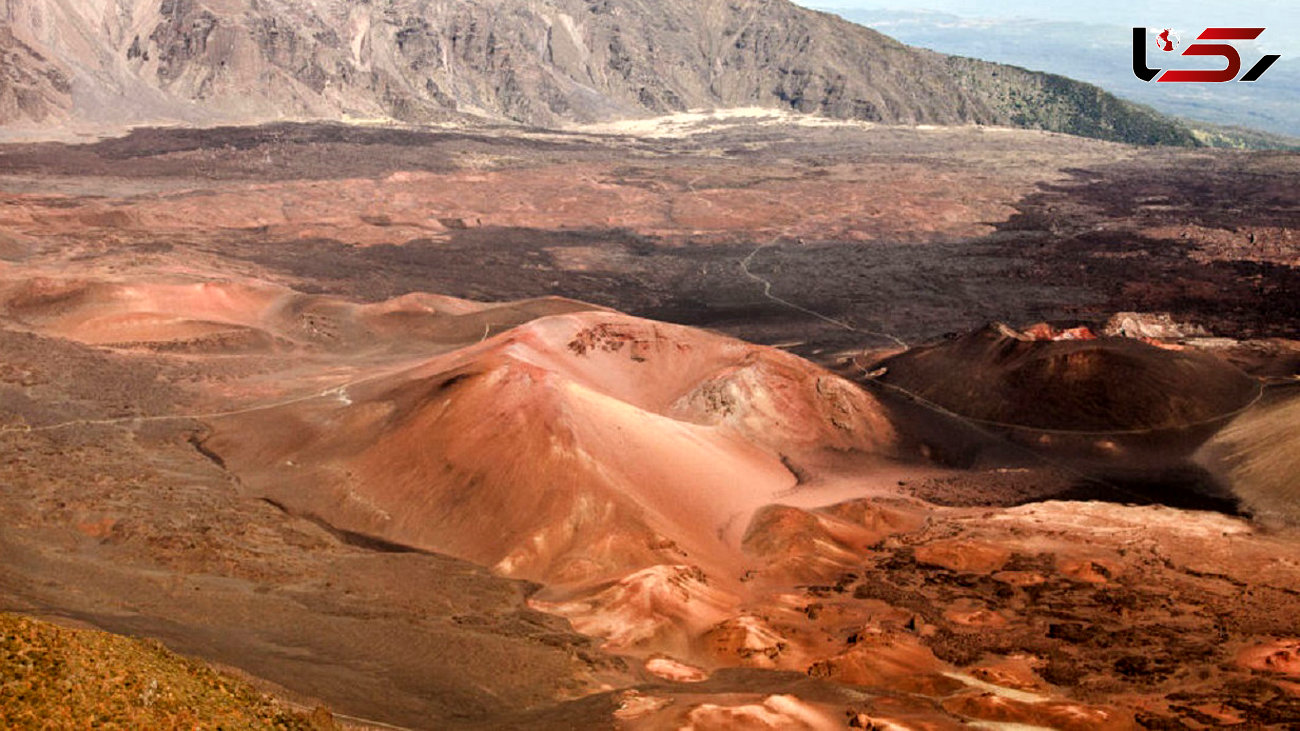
x=640, y=443
x=497, y=429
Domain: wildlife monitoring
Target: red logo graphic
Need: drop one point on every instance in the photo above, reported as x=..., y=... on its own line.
x=1167, y=40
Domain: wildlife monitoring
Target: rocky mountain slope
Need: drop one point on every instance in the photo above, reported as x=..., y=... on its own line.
x=540, y=62
x=30, y=86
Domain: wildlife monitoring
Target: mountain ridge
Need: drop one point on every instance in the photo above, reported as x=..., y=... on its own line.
x=545, y=63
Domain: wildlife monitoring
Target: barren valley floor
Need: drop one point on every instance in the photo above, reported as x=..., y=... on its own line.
x=499, y=427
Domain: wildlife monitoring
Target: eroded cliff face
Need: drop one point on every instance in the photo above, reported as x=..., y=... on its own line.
x=31, y=88
x=542, y=63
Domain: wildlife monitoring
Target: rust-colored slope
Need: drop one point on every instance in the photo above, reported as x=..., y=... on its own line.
x=573, y=448
x=175, y=311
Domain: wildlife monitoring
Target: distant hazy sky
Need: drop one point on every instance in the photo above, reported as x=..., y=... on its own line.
x=1281, y=17
x=1091, y=40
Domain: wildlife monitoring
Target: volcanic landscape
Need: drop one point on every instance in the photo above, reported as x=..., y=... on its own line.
x=708, y=421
